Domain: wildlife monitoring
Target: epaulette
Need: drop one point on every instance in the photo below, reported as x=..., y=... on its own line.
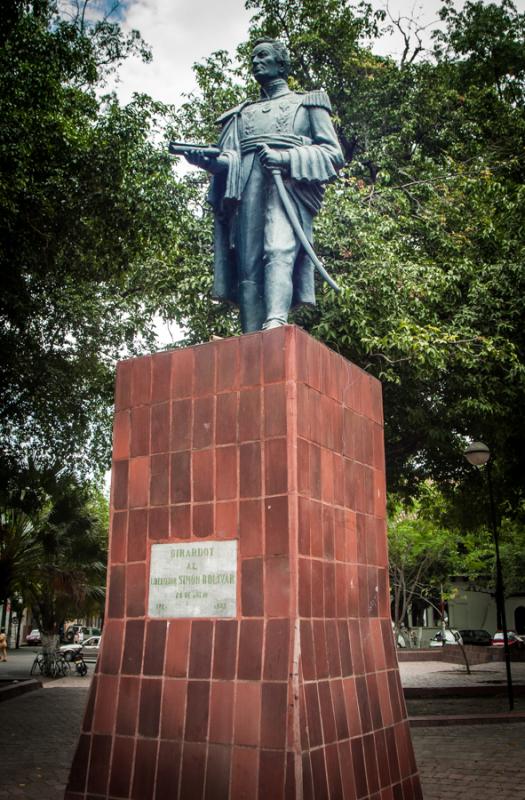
x=318, y=98
x=231, y=112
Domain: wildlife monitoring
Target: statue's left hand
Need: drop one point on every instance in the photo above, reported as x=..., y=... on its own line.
x=213, y=165
x=273, y=159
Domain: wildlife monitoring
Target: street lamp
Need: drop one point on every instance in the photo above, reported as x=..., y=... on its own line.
x=478, y=454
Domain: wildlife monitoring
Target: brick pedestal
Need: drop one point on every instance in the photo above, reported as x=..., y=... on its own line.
x=276, y=441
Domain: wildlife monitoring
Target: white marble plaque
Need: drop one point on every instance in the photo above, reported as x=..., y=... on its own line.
x=193, y=580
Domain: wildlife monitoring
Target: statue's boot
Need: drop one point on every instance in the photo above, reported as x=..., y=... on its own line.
x=251, y=302
x=278, y=294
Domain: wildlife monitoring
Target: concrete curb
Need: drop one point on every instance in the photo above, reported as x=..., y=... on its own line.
x=488, y=690
x=467, y=719
x=18, y=687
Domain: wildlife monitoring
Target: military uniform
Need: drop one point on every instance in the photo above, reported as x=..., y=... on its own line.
x=259, y=262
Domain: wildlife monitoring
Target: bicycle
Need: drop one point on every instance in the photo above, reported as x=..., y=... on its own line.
x=51, y=665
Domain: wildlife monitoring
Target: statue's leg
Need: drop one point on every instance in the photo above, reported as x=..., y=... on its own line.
x=251, y=303
x=250, y=252
x=280, y=251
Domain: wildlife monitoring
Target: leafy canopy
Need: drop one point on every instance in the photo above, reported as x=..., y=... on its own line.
x=88, y=210
x=53, y=545
x=423, y=230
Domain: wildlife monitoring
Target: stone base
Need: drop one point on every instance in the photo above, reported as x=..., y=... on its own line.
x=275, y=441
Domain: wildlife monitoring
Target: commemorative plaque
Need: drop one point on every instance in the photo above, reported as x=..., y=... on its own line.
x=193, y=580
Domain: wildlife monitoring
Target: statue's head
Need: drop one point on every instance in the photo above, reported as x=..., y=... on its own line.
x=270, y=60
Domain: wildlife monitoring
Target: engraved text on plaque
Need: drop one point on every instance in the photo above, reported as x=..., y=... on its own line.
x=193, y=580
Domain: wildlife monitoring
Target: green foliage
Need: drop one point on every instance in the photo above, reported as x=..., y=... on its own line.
x=512, y=552
x=87, y=210
x=53, y=546
x=430, y=542
x=19, y=553
x=479, y=555
x=422, y=553
x=423, y=230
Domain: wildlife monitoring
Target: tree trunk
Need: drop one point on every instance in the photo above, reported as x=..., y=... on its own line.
x=465, y=657
x=50, y=643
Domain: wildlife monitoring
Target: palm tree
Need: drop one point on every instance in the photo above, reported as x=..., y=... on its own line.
x=55, y=554
x=19, y=552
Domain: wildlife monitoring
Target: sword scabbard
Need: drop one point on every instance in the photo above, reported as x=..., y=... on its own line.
x=298, y=229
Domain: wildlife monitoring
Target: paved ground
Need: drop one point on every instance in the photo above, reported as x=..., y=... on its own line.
x=438, y=674
x=19, y=662
x=474, y=762
x=39, y=732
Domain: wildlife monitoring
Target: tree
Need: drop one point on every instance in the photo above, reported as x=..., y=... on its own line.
x=89, y=216
x=53, y=547
x=422, y=555
x=19, y=552
x=430, y=543
x=423, y=230
x=479, y=555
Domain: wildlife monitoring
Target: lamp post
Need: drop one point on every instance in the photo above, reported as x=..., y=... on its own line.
x=478, y=454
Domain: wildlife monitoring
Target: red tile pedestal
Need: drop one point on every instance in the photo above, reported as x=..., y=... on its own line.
x=276, y=441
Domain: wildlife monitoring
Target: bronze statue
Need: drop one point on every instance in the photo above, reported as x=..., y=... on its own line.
x=273, y=158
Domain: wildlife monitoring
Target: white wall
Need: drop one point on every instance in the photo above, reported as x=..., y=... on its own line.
x=472, y=609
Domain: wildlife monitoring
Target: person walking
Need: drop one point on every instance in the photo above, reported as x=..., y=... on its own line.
x=3, y=646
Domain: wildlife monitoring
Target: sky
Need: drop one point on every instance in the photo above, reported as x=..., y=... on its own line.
x=181, y=32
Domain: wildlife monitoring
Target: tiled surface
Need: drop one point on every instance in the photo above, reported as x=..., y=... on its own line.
x=276, y=440
x=415, y=675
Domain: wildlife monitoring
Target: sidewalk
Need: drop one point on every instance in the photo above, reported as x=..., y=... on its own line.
x=429, y=685
x=18, y=667
x=439, y=674
x=39, y=735
x=475, y=762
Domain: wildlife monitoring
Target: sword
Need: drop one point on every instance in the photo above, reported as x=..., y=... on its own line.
x=298, y=228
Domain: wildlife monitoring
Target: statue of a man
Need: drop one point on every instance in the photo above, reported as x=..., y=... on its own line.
x=260, y=263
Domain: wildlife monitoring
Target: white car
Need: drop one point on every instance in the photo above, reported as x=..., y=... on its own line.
x=34, y=637
x=89, y=649
x=452, y=636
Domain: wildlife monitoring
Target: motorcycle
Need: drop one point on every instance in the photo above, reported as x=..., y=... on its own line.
x=78, y=660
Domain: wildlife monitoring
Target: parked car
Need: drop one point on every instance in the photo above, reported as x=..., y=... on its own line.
x=476, y=636
x=34, y=637
x=90, y=648
x=82, y=630
x=452, y=636
x=515, y=641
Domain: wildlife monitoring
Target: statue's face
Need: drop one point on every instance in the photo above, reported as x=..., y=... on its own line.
x=266, y=66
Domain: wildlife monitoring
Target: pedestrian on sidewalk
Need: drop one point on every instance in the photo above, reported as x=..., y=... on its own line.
x=3, y=646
